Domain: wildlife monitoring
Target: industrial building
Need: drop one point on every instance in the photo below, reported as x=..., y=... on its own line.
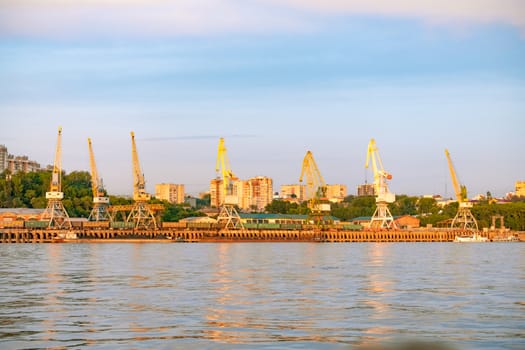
x=173, y=193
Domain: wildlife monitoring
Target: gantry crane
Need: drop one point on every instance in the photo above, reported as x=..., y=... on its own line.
x=464, y=218
x=382, y=217
x=142, y=213
x=315, y=188
x=100, y=200
x=55, y=213
x=228, y=216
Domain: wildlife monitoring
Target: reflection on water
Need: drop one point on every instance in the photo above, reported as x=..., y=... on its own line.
x=261, y=295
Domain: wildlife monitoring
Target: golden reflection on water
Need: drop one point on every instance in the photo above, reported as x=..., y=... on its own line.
x=218, y=326
x=53, y=283
x=378, y=286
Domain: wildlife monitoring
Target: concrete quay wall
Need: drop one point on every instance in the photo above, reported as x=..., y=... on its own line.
x=185, y=235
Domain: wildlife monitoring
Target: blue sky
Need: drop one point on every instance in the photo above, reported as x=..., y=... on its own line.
x=275, y=78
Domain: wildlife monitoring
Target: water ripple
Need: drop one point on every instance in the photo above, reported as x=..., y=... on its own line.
x=260, y=295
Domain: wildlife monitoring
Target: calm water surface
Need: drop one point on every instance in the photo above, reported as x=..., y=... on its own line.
x=261, y=295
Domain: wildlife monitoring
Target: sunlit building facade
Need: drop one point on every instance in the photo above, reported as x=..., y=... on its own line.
x=173, y=193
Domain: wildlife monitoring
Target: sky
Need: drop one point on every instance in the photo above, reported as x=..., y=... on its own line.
x=275, y=78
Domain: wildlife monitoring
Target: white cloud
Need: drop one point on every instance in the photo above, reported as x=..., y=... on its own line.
x=103, y=18
x=504, y=11
x=59, y=18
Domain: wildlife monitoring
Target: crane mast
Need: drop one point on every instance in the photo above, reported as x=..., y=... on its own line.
x=315, y=188
x=228, y=215
x=100, y=201
x=464, y=218
x=382, y=218
x=55, y=213
x=142, y=214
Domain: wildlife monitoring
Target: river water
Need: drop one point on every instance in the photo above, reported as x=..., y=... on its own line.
x=262, y=295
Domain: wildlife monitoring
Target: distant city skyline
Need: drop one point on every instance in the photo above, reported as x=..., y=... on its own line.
x=275, y=79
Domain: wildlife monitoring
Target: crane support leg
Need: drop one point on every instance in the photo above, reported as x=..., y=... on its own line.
x=382, y=217
x=56, y=214
x=229, y=218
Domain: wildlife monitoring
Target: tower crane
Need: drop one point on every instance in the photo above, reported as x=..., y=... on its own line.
x=142, y=213
x=100, y=200
x=55, y=213
x=464, y=218
x=228, y=215
x=315, y=188
x=382, y=217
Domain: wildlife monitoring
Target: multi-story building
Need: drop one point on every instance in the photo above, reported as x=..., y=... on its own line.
x=366, y=190
x=21, y=163
x=173, y=193
x=520, y=188
x=252, y=194
x=261, y=193
x=3, y=158
x=215, y=193
x=16, y=163
x=297, y=192
x=336, y=193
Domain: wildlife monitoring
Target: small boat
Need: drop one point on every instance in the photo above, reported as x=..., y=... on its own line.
x=510, y=238
x=475, y=237
x=67, y=235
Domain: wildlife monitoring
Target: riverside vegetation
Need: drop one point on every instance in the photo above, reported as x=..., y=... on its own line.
x=27, y=190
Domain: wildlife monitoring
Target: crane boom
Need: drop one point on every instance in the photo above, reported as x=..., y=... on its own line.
x=315, y=184
x=139, y=183
x=464, y=218
x=382, y=217
x=315, y=188
x=228, y=216
x=380, y=175
x=55, y=187
x=223, y=170
x=55, y=212
x=94, y=174
x=100, y=201
x=458, y=189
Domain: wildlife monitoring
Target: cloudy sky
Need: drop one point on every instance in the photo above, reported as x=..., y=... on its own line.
x=275, y=78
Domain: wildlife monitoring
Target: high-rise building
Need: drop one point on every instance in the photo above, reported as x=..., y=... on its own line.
x=215, y=193
x=173, y=193
x=520, y=188
x=336, y=193
x=3, y=158
x=252, y=194
x=297, y=192
x=261, y=192
x=366, y=190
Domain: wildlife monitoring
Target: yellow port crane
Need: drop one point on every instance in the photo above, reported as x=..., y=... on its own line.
x=55, y=213
x=382, y=217
x=228, y=216
x=142, y=213
x=100, y=200
x=464, y=218
x=315, y=188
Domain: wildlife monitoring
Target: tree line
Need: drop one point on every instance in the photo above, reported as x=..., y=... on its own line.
x=28, y=190
x=426, y=209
